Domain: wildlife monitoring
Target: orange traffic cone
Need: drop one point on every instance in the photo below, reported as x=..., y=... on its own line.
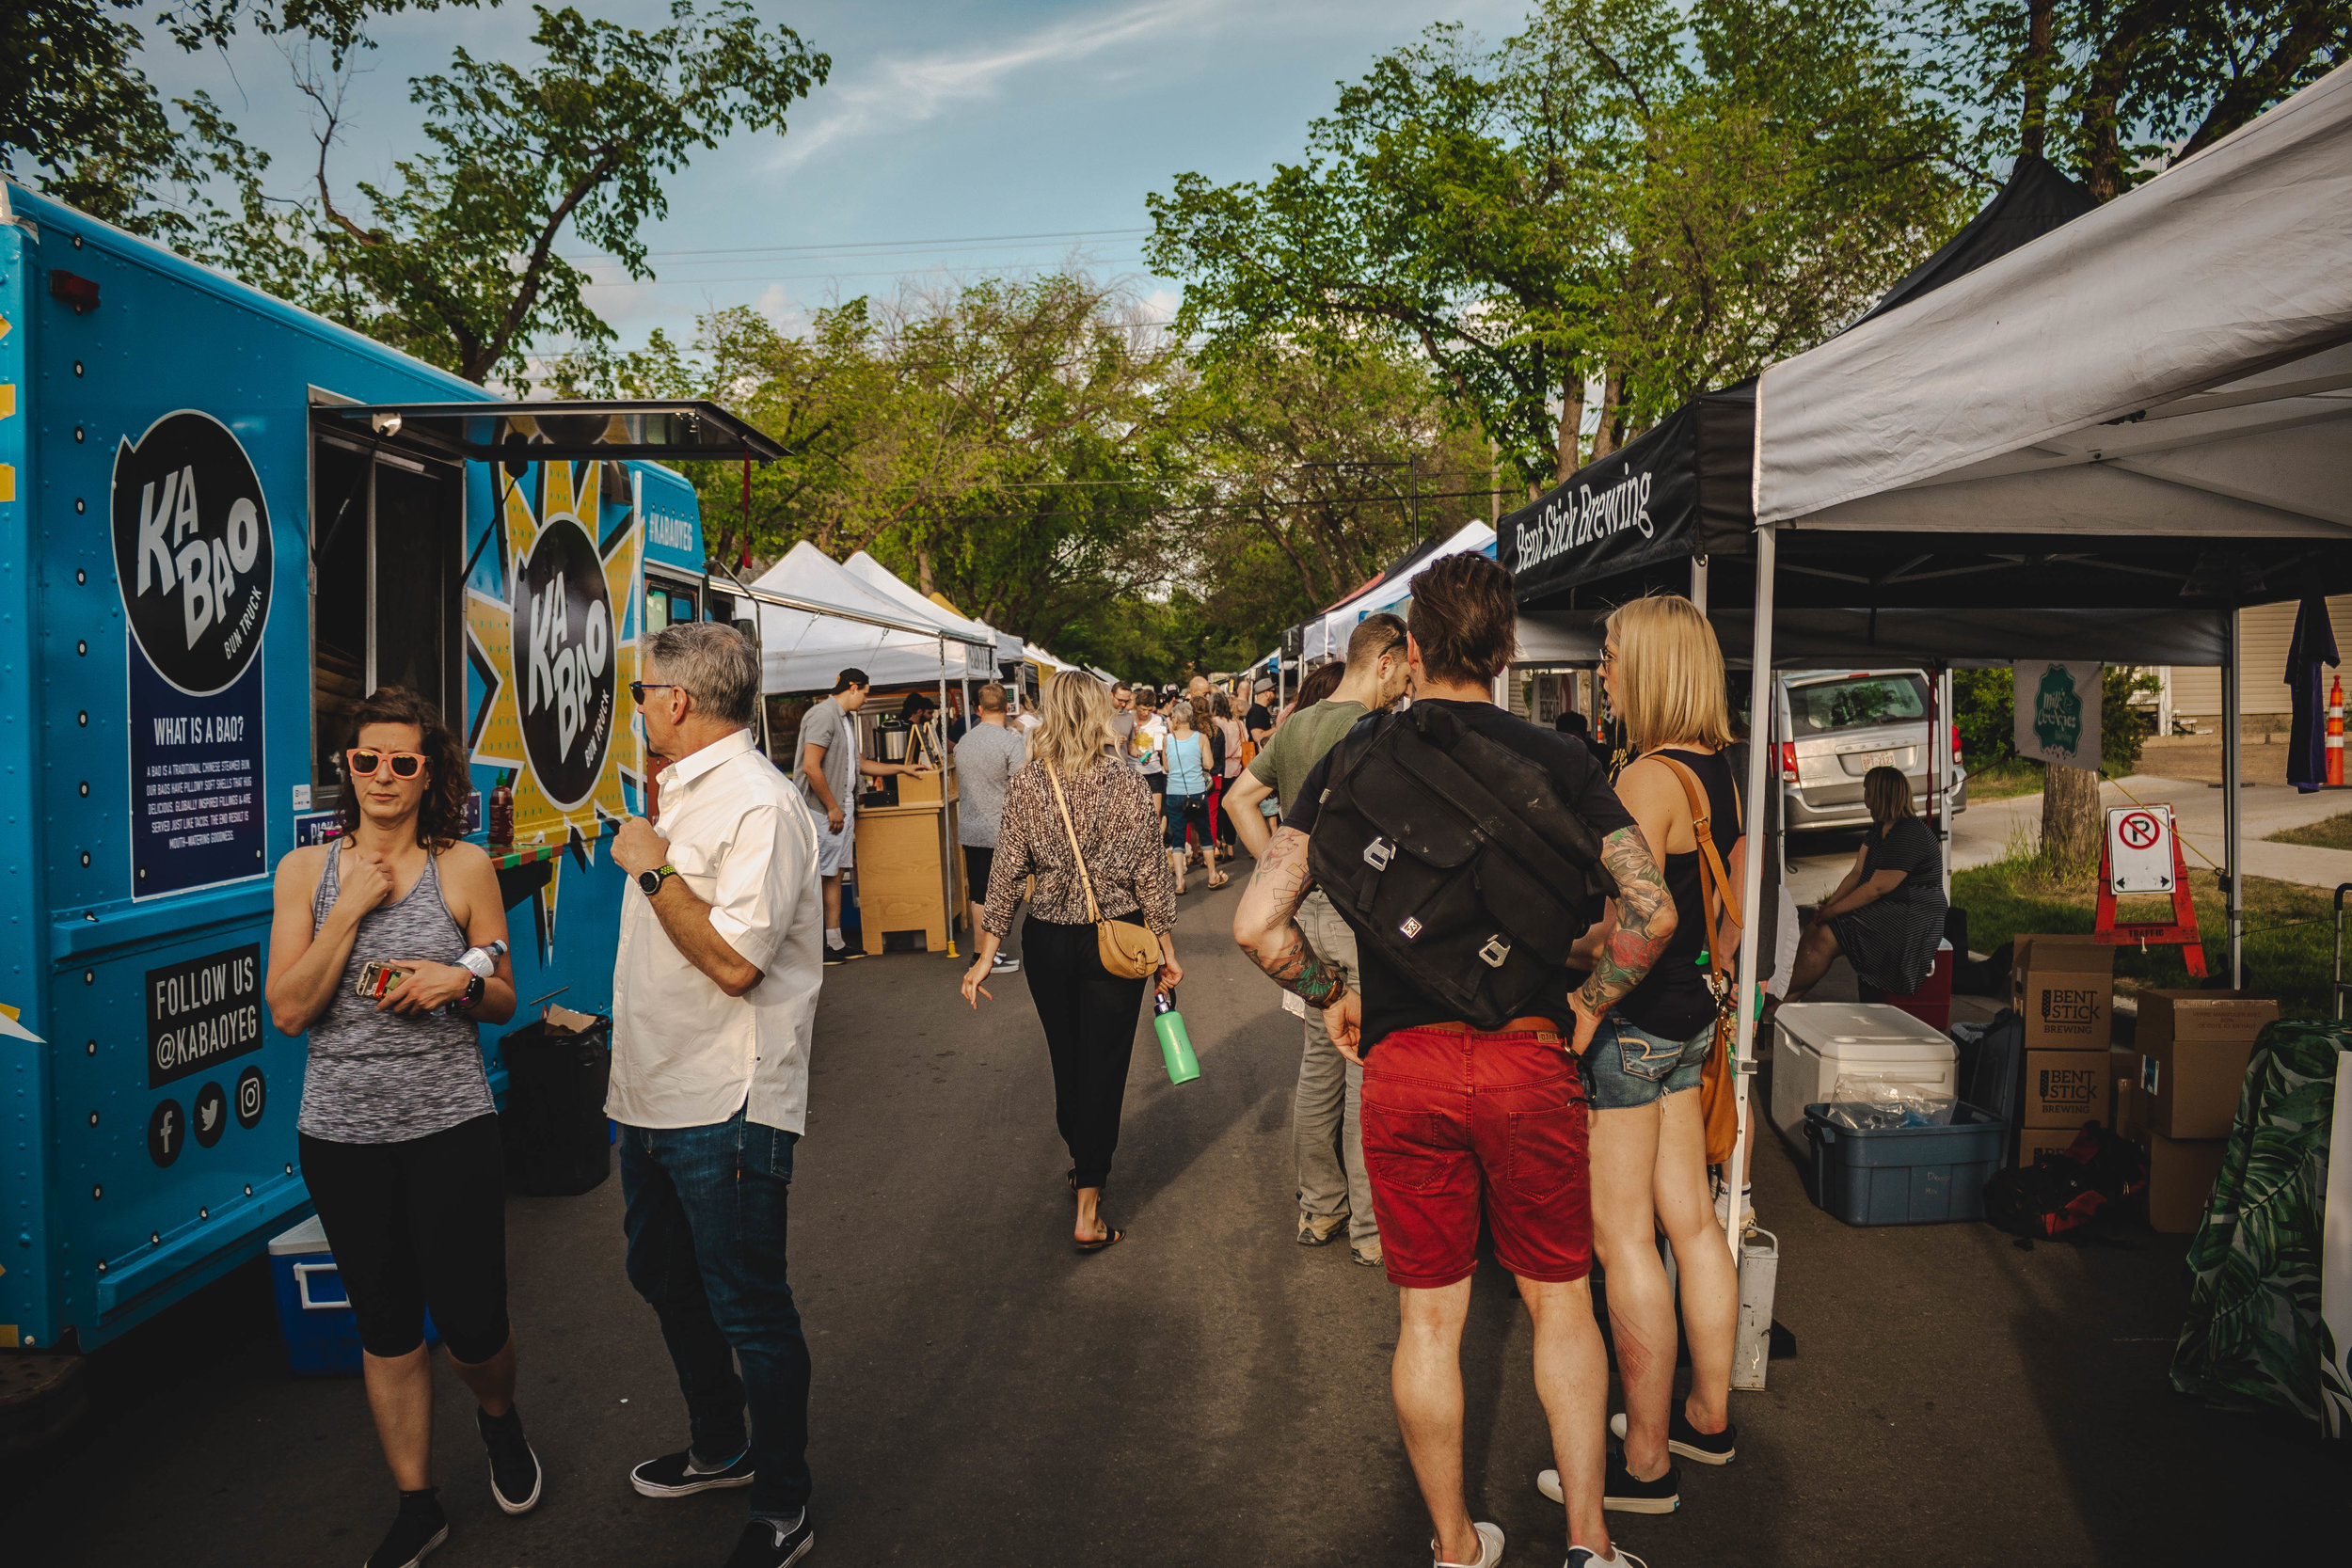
x=2335, y=732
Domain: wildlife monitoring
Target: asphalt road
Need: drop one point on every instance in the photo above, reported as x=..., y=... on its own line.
x=1208, y=1392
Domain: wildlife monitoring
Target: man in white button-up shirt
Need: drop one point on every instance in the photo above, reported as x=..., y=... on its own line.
x=714, y=999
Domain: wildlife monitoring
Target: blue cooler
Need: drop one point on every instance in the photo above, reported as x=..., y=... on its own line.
x=322, y=1331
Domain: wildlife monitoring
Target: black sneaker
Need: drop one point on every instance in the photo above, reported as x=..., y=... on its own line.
x=515, y=1473
x=1718, y=1447
x=1621, y=1492
x=677, y=1475
x=835, y=957
x=768, y=1544
x=421, y=1526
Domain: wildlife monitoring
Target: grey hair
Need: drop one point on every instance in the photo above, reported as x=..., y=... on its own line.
x=1179, y=711
x=716, y=664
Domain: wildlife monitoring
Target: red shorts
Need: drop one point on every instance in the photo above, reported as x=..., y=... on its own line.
x=1454, y=1121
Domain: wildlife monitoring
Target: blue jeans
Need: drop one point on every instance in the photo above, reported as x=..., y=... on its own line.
x=1627, y=1066
x=706, y=1224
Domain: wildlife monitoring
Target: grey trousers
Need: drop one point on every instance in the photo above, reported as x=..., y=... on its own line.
x=1327, y=1112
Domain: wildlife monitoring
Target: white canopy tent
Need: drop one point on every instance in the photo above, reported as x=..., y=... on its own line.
x=1327, y=638
x=817, y=620
x=2147, y=409
x=981, y=643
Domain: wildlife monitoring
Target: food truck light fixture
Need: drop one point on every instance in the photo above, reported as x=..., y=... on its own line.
x=682, y=429
x=79, y=292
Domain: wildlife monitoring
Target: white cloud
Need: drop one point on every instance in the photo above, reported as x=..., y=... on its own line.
x=900, y=91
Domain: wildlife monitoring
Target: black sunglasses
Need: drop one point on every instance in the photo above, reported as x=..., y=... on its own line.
x=636, y=690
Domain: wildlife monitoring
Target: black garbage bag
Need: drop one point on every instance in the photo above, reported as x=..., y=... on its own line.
x=557, y=1140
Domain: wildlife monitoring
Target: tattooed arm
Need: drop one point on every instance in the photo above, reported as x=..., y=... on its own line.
x=1267, y=927
x=1630, y=944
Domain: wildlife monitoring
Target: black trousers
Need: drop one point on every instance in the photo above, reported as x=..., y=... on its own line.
x=415, y=1224
x=1090, y=1017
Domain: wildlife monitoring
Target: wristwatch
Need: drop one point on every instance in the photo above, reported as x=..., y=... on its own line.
x=475, y=986
x=651, y=880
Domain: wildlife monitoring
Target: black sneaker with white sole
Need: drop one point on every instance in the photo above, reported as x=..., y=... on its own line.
x=678, y=1475
x=835, y=957
x=515, y=1473
x=1624, y=1493
x=1717, y=1448
x=418, y=1528
x=766, y=1543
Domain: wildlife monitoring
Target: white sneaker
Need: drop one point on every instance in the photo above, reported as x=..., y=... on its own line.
x=1004, y=965
x=1548, y=1482
x=1490, y=1549
x=1584, y=1557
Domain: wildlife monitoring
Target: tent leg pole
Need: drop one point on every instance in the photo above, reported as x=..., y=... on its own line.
x=1698, y=582
x=1945, y=766
x=946, y=760
x=2232, y=896
x=1761, y=777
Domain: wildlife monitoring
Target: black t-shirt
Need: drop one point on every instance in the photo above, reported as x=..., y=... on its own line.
x=1909, y=846
x=1391, y=1003
x=1257, y=718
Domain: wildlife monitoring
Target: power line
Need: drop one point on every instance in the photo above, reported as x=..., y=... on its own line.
x=803, y=277
x=867, y=247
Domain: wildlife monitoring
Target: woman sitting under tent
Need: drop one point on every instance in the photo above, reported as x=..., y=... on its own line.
x=1887, y=915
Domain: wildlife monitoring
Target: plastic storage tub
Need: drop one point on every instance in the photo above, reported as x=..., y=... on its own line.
x=320, y=1329
x=1905, y=1174
x=1813, y=1042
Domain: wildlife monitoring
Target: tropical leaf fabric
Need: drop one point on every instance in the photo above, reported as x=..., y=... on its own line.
x=2254, y=1336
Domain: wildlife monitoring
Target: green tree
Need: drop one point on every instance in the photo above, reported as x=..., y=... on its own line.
x=1629, y=194
x=81, y=120
x=2116, y=90
x=455, y=260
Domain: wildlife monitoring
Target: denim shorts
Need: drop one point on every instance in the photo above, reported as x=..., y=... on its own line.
x=1627, y=1066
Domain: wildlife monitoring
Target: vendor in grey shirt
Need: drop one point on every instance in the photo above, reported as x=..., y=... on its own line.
x=829, y=765
x=990, y=753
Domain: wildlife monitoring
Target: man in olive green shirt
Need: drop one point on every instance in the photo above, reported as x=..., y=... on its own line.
x=1326, y=1111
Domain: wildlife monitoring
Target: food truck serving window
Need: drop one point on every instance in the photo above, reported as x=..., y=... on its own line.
x=386, y=528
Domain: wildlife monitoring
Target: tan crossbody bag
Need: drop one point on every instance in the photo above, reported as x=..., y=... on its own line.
x=1126, y=949
x=1719, y=1110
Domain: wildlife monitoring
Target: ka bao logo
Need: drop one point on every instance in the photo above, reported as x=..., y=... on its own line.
x=191, y=550
x=2057, y=711
x=2060, y=1005
x=563, y=664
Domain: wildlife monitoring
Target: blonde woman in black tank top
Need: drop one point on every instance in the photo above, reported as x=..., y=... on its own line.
x=399, y=1142
x=1664, y=676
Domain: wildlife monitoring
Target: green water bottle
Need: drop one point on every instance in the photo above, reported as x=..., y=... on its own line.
x=1175, y=1043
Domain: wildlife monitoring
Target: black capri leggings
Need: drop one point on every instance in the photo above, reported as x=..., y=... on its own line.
x=415, y=1224
x=1090, y=1019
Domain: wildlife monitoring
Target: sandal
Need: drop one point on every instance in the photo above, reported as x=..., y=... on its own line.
x=1218, y=878
x=1111, y=1239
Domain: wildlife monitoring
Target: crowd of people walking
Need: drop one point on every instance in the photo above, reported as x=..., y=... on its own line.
x=1528, y=1049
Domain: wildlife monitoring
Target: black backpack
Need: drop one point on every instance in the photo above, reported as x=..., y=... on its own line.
x=1455, y=861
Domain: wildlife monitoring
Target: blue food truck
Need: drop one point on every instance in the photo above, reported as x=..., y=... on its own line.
x=223, y=520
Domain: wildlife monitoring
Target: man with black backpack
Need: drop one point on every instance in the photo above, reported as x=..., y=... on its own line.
x=1466, y=850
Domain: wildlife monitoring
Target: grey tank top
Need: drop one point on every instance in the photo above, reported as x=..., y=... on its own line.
x=382, y=1077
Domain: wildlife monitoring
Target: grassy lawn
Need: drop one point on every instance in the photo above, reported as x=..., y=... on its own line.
x=2334, y=833
x=2283, y=959
x=2001, y=781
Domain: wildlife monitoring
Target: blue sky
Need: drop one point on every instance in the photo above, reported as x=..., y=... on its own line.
x=956, y=137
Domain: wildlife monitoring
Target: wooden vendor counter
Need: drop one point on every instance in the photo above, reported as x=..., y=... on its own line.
x=910, y=874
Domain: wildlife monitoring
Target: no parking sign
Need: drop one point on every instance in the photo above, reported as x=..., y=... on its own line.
x=2139, y=850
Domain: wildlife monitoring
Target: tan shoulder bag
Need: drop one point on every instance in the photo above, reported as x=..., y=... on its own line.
x=1717, y=1110
x=1127, y=950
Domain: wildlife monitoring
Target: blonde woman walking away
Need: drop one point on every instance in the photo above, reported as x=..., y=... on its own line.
x=1072, y=789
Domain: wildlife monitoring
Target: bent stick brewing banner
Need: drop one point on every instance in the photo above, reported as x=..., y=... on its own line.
x=193, y=562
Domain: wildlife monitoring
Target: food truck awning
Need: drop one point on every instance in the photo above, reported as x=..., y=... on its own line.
x=672, y=430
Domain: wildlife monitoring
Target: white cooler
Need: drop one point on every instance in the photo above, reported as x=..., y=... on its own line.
x=1814, y=1042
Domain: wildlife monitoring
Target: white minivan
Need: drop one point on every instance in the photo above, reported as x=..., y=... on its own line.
x=1843, y=724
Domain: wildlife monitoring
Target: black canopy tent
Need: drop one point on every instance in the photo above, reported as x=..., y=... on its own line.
x=2089, y=561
